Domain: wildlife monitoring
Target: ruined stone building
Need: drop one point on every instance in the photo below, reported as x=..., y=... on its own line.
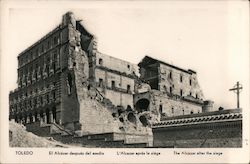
x=65, y=81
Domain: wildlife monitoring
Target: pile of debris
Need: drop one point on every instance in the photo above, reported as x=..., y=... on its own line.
x=19, y=137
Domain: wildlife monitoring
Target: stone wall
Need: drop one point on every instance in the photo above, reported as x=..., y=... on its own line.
x=69, y=106
x=116, y=64
x=182, y=83
x=118, y=94
x=121, y=82
x=224, y=134
x=172, y=106
x=160, y=104
x=92, y=116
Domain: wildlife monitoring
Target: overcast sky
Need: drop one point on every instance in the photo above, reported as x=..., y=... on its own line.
x=208, y=37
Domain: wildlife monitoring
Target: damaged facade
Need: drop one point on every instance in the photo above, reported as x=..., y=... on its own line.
x=63, y=79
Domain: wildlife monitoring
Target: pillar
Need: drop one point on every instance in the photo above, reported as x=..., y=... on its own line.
x=28, y=120
x=33, y=118
x=40, y=118
x=45, y=118
x=51, y=119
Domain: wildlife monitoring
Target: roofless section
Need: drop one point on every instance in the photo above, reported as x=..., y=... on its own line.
x=86, y=37
x=149, y=70
x=149, y=60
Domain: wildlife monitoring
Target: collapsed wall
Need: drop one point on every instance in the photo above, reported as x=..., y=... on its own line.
x=97, y=114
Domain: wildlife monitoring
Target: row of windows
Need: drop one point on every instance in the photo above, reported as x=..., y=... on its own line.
x=44, y=47
x=172, y=110
x=33, y=92
x=113, y=85
x=37, y=74
x=50, y=58
x=181, y=78
x=34, y=102
x=100, y=61
x=181, y=92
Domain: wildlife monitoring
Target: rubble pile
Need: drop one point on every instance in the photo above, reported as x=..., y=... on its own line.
x=19, y=137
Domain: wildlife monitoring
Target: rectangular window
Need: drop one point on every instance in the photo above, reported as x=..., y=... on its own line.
x=113, y=84
x=48, y=59
x=100, y=83
x=170, y=75
x=181, y=92
x=181, y=78
x=41, y=100
x=128, y=67
x=31, y=56
x=48, y=45
x=42, y=49
x=37, y=52
x=128, y=89
x=47, y=96
x=55, y=40
x=100, y=62
x=160, y=109
x=54, y=95
x=190, y=82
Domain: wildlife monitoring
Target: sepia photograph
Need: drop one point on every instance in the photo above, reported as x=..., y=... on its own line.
x=164, y=77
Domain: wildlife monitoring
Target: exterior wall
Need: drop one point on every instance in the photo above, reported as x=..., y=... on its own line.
x=226, y=134
x=179, y=80
x=43, y=81
x=168, y=106
x=119, y=95
x=174, y=107
x=116, y=64
x=121, y=82
x=38, y=92
x=69, y=104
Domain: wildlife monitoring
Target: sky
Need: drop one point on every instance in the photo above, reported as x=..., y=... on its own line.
x=210, y=37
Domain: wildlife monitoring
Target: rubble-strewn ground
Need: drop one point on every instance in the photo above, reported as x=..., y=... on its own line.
x=19, y=137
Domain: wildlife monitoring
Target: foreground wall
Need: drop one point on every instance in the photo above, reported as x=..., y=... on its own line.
x=213, y=134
